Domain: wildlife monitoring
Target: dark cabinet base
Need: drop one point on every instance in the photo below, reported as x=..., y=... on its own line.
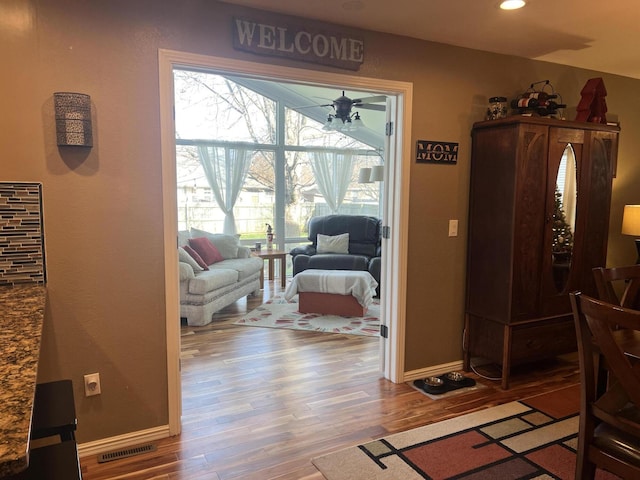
x=517, y=343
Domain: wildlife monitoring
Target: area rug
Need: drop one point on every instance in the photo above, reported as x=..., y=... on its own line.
x=534, y=438
x=280, y=313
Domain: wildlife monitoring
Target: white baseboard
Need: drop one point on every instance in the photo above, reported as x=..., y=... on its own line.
x=432, y=371
x=122, y=441
x=144, y=436
x=132, y=439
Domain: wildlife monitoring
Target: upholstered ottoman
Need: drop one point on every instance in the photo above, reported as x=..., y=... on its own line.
x=333, y=292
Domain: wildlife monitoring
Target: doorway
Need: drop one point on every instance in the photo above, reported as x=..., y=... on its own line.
x=395, y=215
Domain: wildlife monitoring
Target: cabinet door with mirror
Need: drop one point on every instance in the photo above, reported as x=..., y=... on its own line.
x=579, y=177
x=563, y=218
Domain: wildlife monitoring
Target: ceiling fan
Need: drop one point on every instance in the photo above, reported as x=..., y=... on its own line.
x=343, y=106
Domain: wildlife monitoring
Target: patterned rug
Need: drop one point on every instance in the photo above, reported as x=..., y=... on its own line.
x=279, y=313
x=535, y=438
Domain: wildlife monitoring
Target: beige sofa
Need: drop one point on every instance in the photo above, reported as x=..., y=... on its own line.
x=204, y=292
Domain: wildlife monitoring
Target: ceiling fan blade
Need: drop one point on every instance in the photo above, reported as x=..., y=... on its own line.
x=310, y=106
x=378, y=99
x=380, y=108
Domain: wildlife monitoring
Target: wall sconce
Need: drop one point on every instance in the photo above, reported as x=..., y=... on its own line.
x=377, y=173
x=631, y=224
x=73, y=119
x=372, y=174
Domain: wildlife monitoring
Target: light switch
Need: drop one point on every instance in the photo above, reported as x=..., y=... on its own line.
x=453, y=228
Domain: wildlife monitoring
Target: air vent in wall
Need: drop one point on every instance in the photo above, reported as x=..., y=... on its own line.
x=126, y=452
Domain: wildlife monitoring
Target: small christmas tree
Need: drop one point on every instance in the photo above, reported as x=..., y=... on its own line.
x=562, y=236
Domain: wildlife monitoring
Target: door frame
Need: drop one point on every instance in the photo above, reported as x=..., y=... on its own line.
x=395, y=200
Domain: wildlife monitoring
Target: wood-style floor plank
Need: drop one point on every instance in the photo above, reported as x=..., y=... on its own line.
x=259, y=403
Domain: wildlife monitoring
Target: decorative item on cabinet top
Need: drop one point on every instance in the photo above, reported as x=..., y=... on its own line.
x=544, y=102
x=73, y=119
x=497, y=108
x=593, y=106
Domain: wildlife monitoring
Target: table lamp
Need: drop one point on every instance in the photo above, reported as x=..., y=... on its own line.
x=631, y=224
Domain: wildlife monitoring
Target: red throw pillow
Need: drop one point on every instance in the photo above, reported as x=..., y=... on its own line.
x=196, y=257
x=207, y=250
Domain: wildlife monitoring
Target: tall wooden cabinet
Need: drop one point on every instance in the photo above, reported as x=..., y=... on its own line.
x=518, y=282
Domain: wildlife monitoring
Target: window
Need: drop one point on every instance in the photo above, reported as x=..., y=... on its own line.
x=272, y=163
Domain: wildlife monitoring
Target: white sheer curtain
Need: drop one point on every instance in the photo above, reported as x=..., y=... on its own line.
x=226, y=170
x=569, y=193
x=333, y=174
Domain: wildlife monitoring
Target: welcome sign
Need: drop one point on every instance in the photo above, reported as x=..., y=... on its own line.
x=305, y=43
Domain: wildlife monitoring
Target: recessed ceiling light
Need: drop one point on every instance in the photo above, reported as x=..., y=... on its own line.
x=512, y=4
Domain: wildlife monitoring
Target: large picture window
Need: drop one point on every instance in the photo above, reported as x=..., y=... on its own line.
x=248, y=154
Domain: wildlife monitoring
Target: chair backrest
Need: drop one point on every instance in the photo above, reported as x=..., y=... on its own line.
x=596, y=322
x=600, y=342
x=364, y=231
x=625, y=280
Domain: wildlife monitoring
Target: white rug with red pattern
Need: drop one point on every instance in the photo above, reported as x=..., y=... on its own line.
x=279, y=313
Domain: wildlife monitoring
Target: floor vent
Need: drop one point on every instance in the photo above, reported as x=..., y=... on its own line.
x=127, y=452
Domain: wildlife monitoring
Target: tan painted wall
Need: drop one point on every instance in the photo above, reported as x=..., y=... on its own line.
x=103, y=218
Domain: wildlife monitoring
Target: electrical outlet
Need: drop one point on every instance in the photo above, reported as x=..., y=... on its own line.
x=453, y=228
x=92, y=384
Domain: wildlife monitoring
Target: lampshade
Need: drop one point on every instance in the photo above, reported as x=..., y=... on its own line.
x=377, y=173
x=357, y=122
x=631, y=220
x=364, y=176
x=73, y=119
x=343, y=123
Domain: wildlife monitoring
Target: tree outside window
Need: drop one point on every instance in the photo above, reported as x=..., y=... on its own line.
x=215, y=111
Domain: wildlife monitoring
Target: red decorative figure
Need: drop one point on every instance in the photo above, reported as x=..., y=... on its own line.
x=593, y=107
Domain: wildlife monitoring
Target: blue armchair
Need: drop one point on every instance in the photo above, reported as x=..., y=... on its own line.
x=364, y=245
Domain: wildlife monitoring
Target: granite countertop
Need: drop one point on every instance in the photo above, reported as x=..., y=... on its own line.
x=21, y=318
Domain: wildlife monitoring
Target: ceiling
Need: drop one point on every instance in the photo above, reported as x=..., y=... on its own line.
x=312, y=100
x=593, y=34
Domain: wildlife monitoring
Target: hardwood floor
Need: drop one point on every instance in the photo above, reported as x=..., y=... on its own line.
x=259, y=403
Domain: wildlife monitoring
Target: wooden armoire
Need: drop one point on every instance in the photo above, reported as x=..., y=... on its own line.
x=538, y=223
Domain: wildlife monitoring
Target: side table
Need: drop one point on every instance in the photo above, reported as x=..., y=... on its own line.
x=271, y=255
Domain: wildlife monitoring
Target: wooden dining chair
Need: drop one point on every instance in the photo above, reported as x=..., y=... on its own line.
x=609, y=435
x=625, y=280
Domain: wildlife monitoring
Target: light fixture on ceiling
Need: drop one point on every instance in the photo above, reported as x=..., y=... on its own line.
x=343, y=122
x=512, y=4
x=343, y=119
